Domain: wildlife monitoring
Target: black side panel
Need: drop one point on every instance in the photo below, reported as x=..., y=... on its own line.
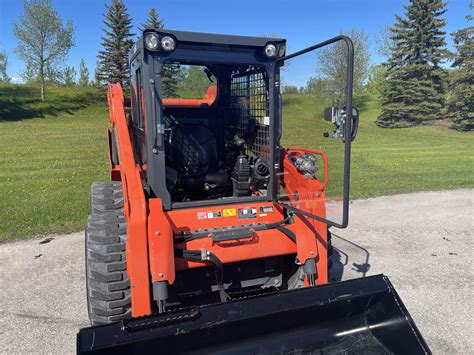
x=352, y=317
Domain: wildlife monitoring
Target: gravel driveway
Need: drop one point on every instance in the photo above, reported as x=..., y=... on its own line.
x=422, y=242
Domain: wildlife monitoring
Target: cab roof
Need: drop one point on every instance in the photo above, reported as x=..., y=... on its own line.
x=221, y=39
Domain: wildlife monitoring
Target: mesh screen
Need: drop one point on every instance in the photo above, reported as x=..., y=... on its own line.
x=250, y=109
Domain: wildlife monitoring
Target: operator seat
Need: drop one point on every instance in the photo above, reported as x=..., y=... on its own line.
x=192, y=152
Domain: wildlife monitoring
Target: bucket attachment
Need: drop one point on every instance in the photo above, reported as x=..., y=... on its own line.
x=357, y=316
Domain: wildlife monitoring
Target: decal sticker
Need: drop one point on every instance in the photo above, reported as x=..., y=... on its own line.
x=229, y=212
x=266, y=209
x=246, y=213
x=214, y=214
x=201, y=215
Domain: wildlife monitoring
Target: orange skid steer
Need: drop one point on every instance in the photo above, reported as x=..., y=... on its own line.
x=211, y=236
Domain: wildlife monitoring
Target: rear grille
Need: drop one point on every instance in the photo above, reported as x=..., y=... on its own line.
x=250, y=109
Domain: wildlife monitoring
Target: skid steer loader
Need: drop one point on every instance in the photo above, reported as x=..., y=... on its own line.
x=211, y=236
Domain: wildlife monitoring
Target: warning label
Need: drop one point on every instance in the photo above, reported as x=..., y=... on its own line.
x=229, y=212
x=246, y=213
x=266, y=209
x=214, y=214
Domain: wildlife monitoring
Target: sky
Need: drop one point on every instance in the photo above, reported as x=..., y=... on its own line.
x=301, y=22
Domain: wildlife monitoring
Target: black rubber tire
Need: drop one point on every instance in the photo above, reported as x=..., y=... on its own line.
x=107, y=283
x=106, y=196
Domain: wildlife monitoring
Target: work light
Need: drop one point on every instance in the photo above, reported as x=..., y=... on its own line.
x=168, y=43
x=270, y=50
x=151, y=41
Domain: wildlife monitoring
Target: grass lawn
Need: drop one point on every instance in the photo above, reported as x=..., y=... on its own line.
x=51, y=152
x=384, y=161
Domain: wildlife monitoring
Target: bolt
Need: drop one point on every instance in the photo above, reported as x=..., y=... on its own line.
x=275, y=281
x=160, y=274
x=157, y=233
x=152, y=81
x=155, y=150
x=311, y=252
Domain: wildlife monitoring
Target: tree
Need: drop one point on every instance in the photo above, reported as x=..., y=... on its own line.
x=29, y=74
x=332, y=65
x=415, y=86
x=462, y=79
x=3, y=67
x=152, y=21
x=113, y=58
x=54, y=75
x=172, y=77
x=376, y=80
x=83, y=74
x=318, y=88
x=44, y=41
x=290, y=89
x=97, y=79
x=69, y=76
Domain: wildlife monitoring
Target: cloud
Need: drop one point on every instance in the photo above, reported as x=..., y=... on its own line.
x=17, y=80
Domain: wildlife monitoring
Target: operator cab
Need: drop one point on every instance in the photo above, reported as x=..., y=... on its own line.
x=201, y=107
x=206, y=113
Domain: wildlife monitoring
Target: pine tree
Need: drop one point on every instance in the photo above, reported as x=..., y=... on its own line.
x=83, y=74
x=113, y=59
x=69, y=76
x=152, y=21
x=172, y=75
x=462, y=80
x=97, y=78
x=415, y=82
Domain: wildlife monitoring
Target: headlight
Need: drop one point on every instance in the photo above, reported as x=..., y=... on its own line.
x=168, y=43
x=151, y=41
x=270, y=50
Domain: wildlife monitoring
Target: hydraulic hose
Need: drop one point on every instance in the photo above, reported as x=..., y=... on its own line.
x=206, y=257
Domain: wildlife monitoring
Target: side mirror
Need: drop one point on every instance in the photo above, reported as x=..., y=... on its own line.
x=338, y=118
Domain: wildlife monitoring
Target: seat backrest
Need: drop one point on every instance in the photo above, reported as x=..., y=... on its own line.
x=193, y=150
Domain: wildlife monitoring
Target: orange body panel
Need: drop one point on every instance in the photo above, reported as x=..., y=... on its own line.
x=160, y=241
x=150, y=243
x=134, y=205
x=313, y=200
x=263, y=244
